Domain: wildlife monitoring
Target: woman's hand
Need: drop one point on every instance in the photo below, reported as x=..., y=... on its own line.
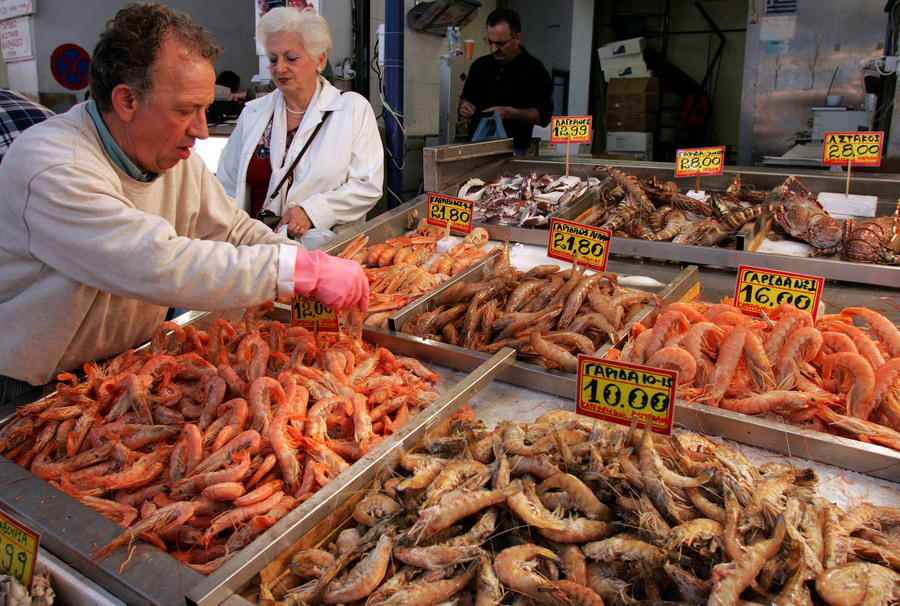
x=297, y=222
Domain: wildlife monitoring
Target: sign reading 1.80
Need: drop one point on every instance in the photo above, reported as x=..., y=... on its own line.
x=455, y=212
x=617, y=391
x=576, y=242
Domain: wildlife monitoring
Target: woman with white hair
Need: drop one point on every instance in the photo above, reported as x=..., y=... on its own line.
x=305, y=152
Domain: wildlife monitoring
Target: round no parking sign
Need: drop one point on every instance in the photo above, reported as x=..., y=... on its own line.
x=69, y=65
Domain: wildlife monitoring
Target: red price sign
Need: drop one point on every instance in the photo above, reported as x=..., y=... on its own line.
x=860, y=149
x=576, y=242
x=617, y=391
x=761, y=290
x=570, y=129
x=443, y=210
x=312, y=314
x=699, y=161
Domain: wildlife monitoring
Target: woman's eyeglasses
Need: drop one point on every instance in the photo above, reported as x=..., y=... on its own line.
x=496, y=43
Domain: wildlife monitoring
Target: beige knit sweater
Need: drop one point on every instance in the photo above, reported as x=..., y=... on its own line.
x=90, y=258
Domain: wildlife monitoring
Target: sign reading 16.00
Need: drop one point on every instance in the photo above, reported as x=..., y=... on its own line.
x=455, y=212
x=617, y=391
x=576, y=242
x=761, y=290
x=310, y=313
x=699, y=161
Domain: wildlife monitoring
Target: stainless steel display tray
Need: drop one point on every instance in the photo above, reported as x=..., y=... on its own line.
x=448, y=167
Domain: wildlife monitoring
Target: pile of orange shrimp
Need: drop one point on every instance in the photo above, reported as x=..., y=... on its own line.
x=206, y=439
x=549, y=316
x=564, y=511
x=828, y=374
x=404, y=268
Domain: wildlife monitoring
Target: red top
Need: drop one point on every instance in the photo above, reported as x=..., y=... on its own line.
x=259, y=169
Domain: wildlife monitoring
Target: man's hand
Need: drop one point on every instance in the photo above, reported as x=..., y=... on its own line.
x=466, y=109
x=239, y=97
x=528, y=115
x=297, y=222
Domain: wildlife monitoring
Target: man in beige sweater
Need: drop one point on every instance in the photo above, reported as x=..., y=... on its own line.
x=109, y=219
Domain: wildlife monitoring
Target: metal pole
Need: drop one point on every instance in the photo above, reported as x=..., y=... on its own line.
x=393, y=100
x=361, y=47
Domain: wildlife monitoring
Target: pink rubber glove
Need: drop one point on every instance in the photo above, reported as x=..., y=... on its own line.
x=336, y=282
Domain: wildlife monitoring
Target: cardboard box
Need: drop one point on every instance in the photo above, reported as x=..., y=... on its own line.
x=631, y=71
x=622, y=63
x=631, y=121
x=633, y=46
x=632, y=95
x=628, y=142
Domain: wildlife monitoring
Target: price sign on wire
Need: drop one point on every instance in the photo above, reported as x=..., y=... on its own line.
x=573, y=241
x=312, y=314
x=18, y=549
x=455, y=212
x=761, y=290
x=699, y=161
x=859, y=149
x=570, y=129
x=617, y=391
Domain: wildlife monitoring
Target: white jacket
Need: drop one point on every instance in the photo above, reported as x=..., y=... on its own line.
x=340, y=177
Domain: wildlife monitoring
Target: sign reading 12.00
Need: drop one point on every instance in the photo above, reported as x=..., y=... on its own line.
x=617, y=391
x=863, y=149
x=761, y=290
x=570, y=129
x=576, y=242
x=18, y=549
x=699, y=161
x=311, y=313
x=443, y=210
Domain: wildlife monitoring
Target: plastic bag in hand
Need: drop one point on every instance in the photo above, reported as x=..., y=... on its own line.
x=336, y=282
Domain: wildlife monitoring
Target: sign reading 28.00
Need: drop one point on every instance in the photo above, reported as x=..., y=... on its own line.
x=443, y=210
x=699, y=161
x=573, y=241
x=617, y=391
x=311, y=313
x=761, y=290
x=570, y=129
x=863, y=149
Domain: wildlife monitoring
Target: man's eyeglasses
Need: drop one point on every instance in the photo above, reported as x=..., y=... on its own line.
x=496, y=43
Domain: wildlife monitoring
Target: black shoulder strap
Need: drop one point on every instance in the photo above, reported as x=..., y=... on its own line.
x=306, y=145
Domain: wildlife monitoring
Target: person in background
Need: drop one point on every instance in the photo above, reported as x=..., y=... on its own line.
x=509, y=81
x=340, y=175
x=16, y=114
x=109, y=219
x=230, y=80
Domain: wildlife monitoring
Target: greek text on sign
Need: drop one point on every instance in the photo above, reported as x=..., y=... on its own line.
x=568, y=241
x=862, y=149
x=15, y=39
x=761, y=290
x=617, y=391
x=570, y=129
x=443, y=210
x=18, y=549
x=310, y=313
x=699, y=161
x=15, y=8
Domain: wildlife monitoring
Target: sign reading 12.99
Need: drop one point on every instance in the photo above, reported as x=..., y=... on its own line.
x=862, y=149
x=699, y=161
x=570, y=129
x=455, y=212
x=617, y=391
x=18, y=549
x=761, y=290
x=311, y=313
x=576, y=242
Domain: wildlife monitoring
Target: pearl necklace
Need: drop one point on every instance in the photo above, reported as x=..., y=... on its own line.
x=290, y=111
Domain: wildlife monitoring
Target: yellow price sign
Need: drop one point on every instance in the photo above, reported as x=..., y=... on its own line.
x=18, y=549
x=570, y=129
x=617, y=391
x=862, y=149
x=310, y=313
x=444, y=210
x=573, y=241
x=699, y=161
x=761, y=290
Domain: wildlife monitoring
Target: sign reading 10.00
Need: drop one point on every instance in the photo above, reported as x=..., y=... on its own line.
x=617, y=391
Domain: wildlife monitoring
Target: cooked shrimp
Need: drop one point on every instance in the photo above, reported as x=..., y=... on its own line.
x=861, y=378
x=677, y=359
x=884, y=329
x=517, y=569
